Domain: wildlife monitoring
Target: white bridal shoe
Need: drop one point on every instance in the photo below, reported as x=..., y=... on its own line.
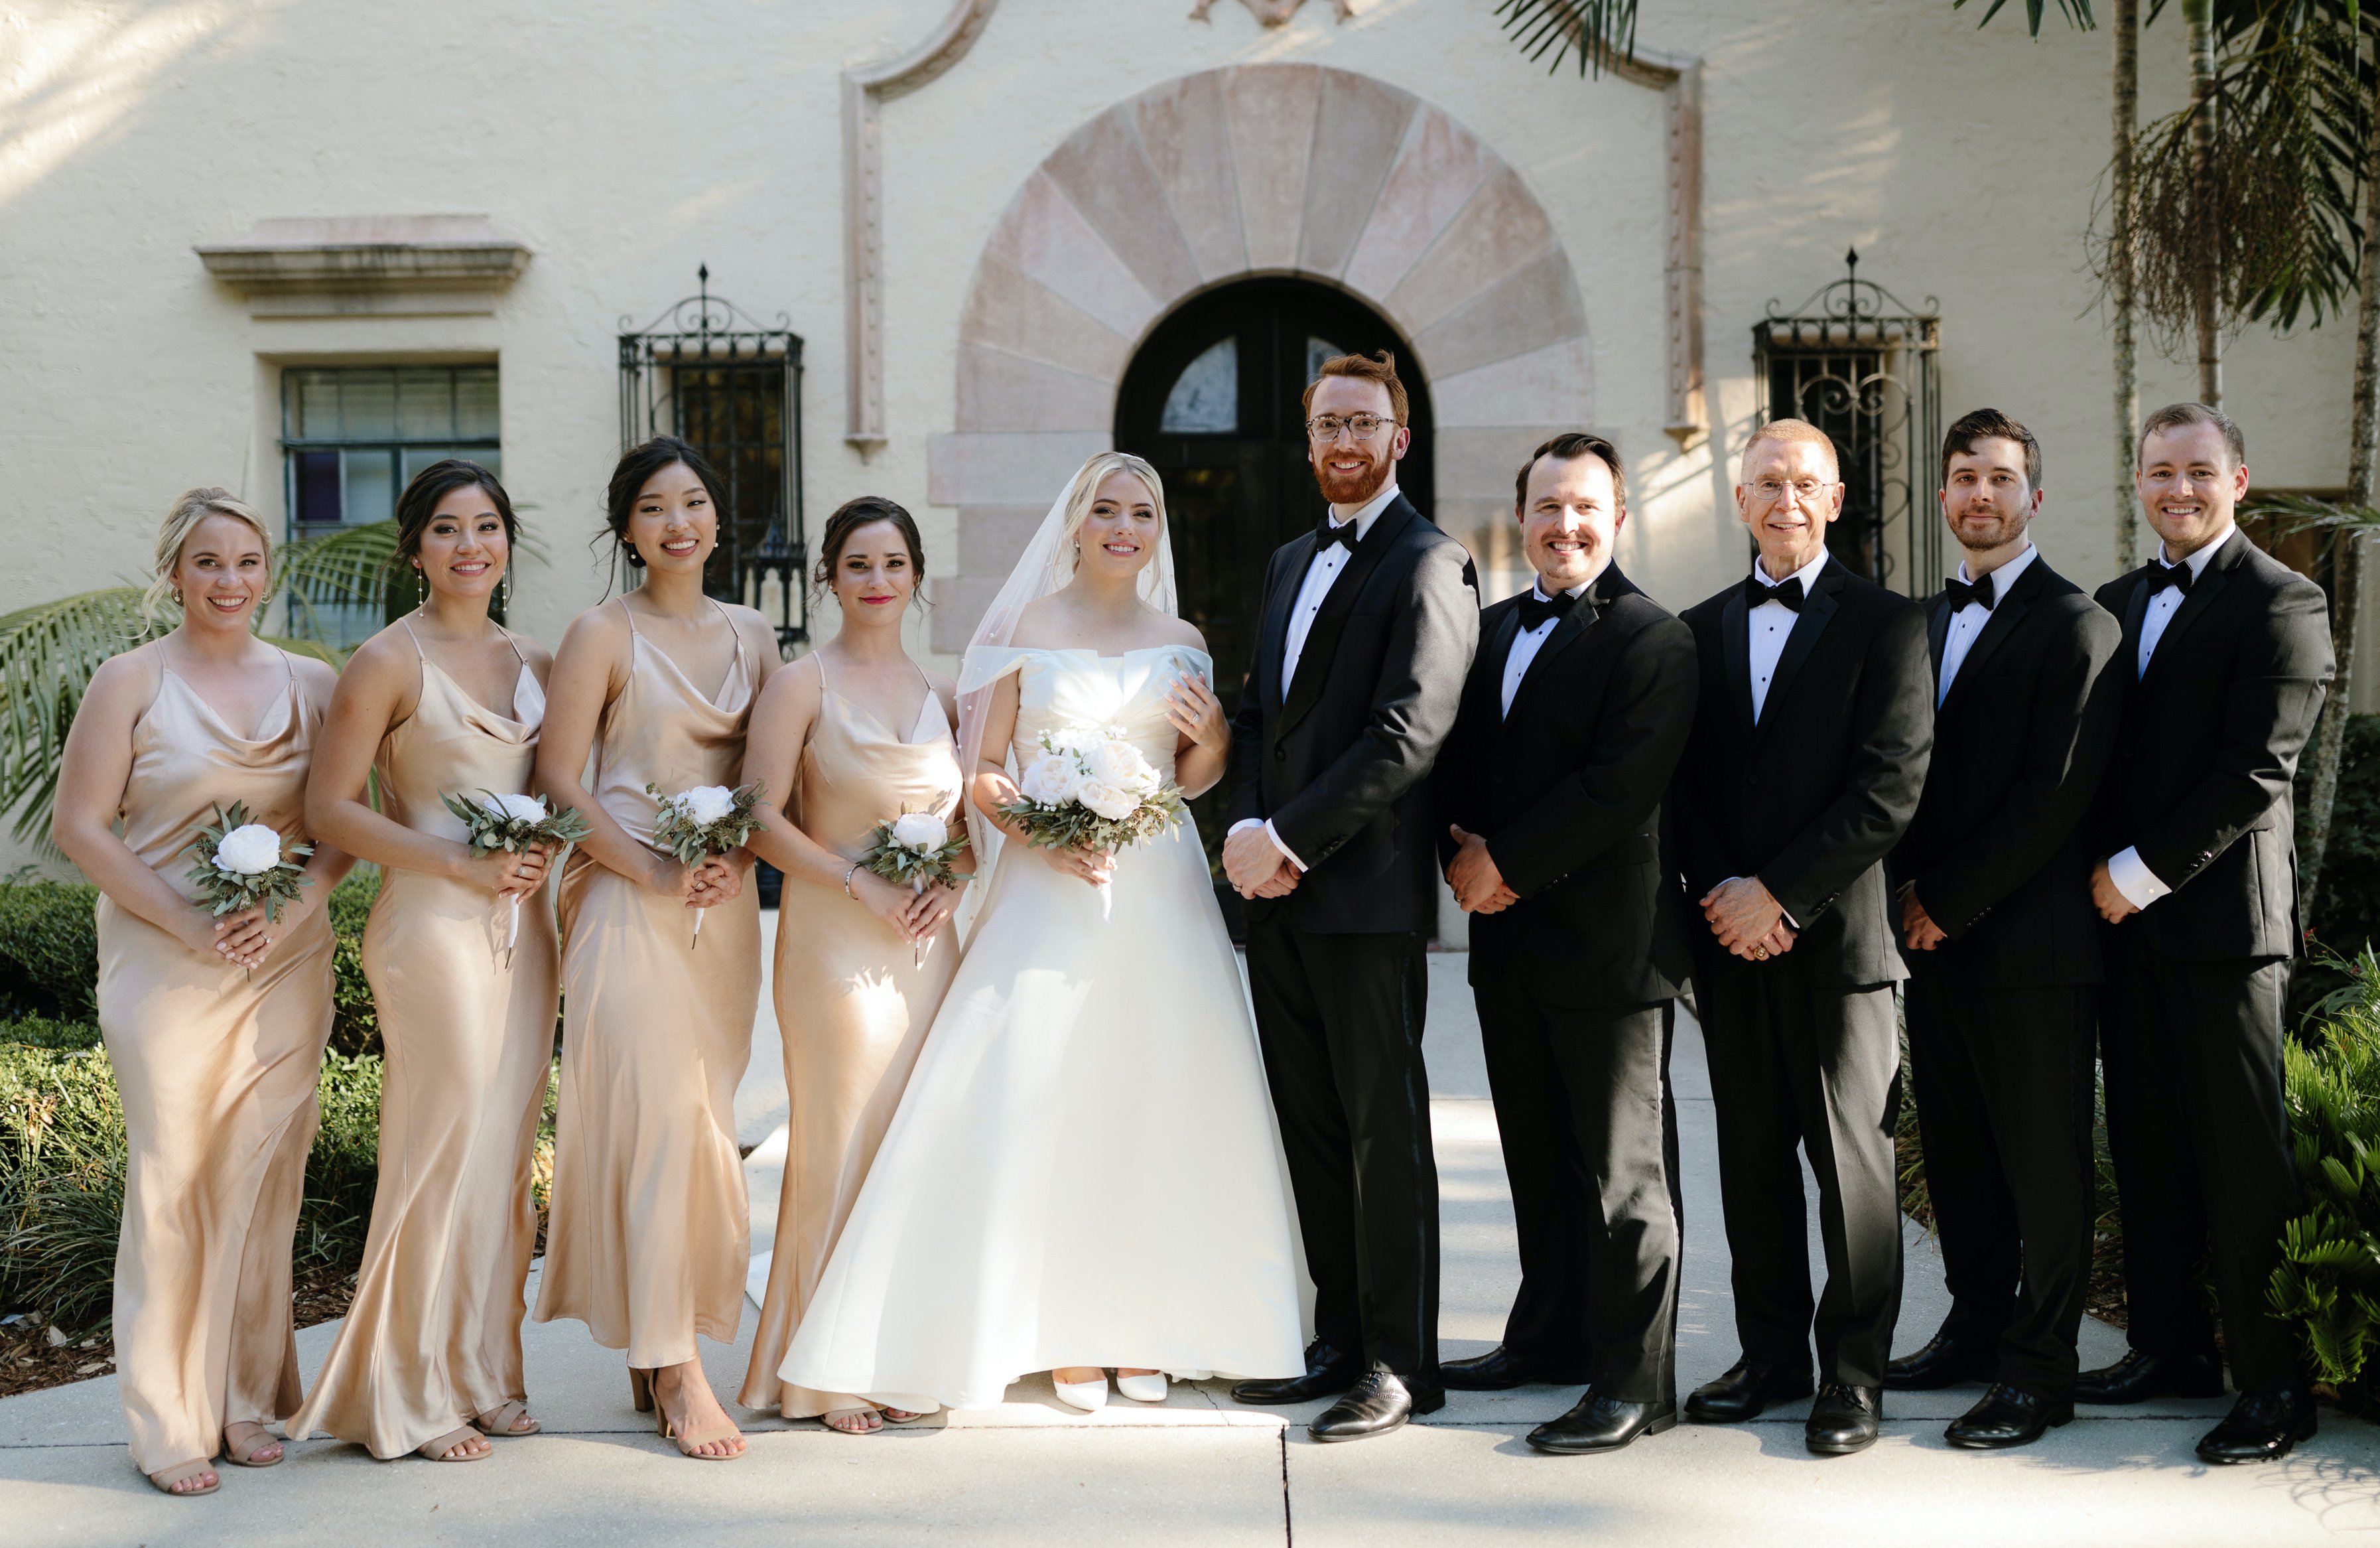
x=1090, y=1397
x=1142, y=1389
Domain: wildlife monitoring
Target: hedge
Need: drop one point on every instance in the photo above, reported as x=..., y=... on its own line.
x=2329, y=1279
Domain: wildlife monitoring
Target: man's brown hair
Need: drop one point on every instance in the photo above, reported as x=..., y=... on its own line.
x=2173, y=416
x=1562, y=448
x=1792, y=432
x=1380, y=368
x=1990, y=424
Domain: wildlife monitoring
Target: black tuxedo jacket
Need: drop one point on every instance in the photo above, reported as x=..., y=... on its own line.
x=1339, y=759
x=2000, y=847
x=1567, y=791
x=1813, y=798
x=2208, y=746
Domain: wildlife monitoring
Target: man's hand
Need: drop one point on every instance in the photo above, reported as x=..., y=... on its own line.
x=1478, y=885
x=1254, y=866
x=1746, y=919
x=1918, y=931
x=2113, y=906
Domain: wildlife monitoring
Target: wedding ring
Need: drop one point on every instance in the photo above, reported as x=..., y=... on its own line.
x=1760, y=954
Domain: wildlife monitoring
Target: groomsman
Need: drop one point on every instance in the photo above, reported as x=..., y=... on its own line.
x=2230, y=654
x=1577, y=707
x=1994, y=914
x=1812, y=728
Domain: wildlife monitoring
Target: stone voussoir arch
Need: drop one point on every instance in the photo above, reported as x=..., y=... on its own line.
x=1212, y=178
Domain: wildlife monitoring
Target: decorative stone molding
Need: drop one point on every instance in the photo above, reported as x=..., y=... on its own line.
x=1272, y=13
x=369, y=265
x=1679, y=79
x=863, y=206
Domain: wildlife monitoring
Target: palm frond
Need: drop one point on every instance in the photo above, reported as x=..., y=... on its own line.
x=350, y=567
x=1601, y=33
x=47, y=655
x=2076, y=12
x=2292, y=514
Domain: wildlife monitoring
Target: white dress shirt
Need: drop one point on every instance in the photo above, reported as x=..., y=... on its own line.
x=1320, y=572
x=1769, y=625
x=1528, y=642
x=1969, y=621
x=2140, y=885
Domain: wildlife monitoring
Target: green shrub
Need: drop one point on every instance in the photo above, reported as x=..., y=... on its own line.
x=39, y=1031
x=2347, y=915
x=49, y=949
x=2328, y=1281
x=355, y=1023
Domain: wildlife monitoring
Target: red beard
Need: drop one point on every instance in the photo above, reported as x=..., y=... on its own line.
x=1354, y=489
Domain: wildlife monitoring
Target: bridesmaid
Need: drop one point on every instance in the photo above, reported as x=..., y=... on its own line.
x=429, y=1358
x=215, y=1028
x=854, y=734
x=649, y=1236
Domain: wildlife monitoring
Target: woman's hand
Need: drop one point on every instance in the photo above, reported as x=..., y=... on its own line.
x=888, y=900
x=1089, y=864
x=716, y=881
x=931, y=910
x=246, y=938
x=666, y=876
x=1195, y=711
x=507, y=875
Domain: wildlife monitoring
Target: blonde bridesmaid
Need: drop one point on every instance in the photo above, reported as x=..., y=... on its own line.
x=444, y=701
x=648, y=1238
x=854, y=735
x=215, y=1028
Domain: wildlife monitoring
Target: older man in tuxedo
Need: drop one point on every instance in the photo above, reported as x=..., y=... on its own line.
x=1994, y=900
x=1576, y=710
x=1812, y=728
x=2229, y=653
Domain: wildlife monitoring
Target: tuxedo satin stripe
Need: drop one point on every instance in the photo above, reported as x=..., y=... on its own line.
x=217, y=1069
x=433, y=1335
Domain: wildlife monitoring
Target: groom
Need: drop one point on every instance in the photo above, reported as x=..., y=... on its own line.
x=1369, y=625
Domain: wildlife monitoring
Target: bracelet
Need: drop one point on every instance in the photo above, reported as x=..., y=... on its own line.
x=846, y=882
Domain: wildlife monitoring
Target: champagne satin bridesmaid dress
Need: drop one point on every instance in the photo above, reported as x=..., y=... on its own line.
x=217, y=1069
x=853, y=1007
x=648, y=1235
x=434, y=1338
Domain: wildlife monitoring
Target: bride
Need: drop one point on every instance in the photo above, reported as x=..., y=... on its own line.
x=1084, y=1172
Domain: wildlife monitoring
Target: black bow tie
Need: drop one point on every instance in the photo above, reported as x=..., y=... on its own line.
x=1757, y=591
x=1331, y=533
x=1536, y=610
x=1960, y=593
x=2162, y=575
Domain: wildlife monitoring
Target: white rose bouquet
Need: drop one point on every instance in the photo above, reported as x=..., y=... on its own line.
x=708, y=820
x=1090, y=789
x=914, y=849
x=514, y=824
x=243, y=864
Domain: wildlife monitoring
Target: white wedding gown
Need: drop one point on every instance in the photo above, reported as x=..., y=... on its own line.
x=1085, y=1168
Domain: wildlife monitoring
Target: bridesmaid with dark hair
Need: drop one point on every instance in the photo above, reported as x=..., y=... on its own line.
x=443, y=702
x=214, y=1026
x=852, y=735
x=648, y=1238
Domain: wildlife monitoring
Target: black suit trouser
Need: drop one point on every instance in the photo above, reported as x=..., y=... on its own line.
x=2201, y=1143
x=2004, y=1079
x=1817, y=1066
x=1590, y=1140
x=1339, y=1021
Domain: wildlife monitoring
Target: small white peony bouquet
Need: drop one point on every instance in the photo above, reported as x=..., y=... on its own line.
x=1090, y=789
x=242, y=864
x=914, y=849
x=514, y=824
x=708, y=820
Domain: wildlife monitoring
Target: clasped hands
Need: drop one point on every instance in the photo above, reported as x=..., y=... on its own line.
x=1918, y=931
x=1254, y=866
x=1747, y=918
x=1479, y=883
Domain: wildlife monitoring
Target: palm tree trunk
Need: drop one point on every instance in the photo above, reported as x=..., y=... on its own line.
x=2199, y=16
x=2124, y=258
x=2347, y=544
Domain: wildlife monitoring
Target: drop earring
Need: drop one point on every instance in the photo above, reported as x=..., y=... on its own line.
x=506, y=600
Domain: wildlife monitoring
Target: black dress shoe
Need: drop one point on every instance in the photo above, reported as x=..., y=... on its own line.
x=1380, y=1401
x=2140, y=1376
x=1944, y=1362
x=1844, y=1418
x=1327, y=1373
x=1500, y=1370
x=2261, y=1427
x=2007, y=1417
x=1749, y=1386
x=1602, y=1424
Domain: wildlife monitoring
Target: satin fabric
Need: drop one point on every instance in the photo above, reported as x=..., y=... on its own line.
x=433, y=1336
x=647, y=1233
x=1085, y=1169
x=853, y=1007
x=217, y=1069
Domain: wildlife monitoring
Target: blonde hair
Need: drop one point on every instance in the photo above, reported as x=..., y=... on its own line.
x=1792, y=432
x=1084, y=492
x=190, y=508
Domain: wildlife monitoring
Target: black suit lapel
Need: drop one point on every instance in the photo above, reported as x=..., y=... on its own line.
x=2202, y=592
x=1322, y=639
x=1274, y=642
x=2136, y=612
x=2003, y=621
x=1816, y=610
x=1486, y=688
x=1937, y=634
x=1735, y=644
x=1567, y=631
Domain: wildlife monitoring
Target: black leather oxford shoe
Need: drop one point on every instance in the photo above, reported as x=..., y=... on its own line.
x=1749, y=1386
x=1944, y=1362
x=1378, y=1402
x=2007, y=1417
x=1845, y=1418
x=1327, y=1373
x=2261, y=1427
x=1500, y=1370
x=2140, y=1376
x=1602, y=1424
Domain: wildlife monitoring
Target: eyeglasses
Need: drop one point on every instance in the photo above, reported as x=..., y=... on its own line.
x=1769, y=492
x=1325, y=428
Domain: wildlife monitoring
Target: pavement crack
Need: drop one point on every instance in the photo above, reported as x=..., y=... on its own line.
x=1288, y=1525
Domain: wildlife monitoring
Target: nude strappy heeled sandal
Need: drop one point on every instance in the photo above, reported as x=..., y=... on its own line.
x=445, y=1448
x=641, y=1392
x=166, y=1478
x=245, y=1455
x=497, y=1422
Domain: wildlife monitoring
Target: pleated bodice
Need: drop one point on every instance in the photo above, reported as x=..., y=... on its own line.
x=1060, y=687
x=186, y=761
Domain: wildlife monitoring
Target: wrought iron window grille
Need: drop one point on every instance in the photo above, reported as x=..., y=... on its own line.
x=708, y=372
x=1864, y=366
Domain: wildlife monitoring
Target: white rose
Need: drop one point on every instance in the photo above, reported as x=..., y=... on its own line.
x=1118, y=764
x=1052, y=780
x=519, y=808
x=1106, y=799
x=250, y=851
x=706, y=804
x=920, y=831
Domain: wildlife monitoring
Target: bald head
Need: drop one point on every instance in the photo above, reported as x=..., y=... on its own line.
x=1792, y=433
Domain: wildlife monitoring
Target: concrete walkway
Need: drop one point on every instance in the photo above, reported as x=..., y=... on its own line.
x=1198, y=1469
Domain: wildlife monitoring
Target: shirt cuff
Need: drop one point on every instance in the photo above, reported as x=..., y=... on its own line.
x=2134, y=879
x=1287, y=853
